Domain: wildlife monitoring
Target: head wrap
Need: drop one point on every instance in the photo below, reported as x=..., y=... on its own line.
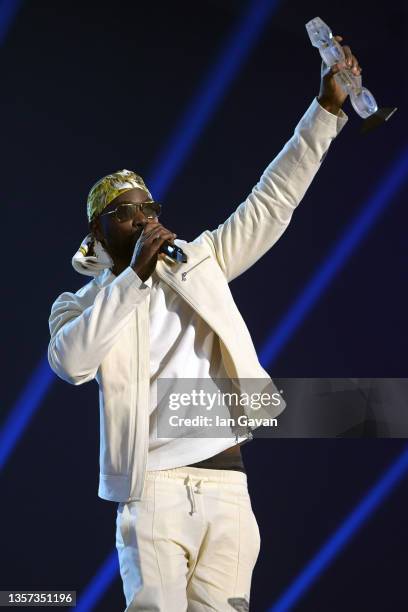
x=109, y=187
x=99, y=197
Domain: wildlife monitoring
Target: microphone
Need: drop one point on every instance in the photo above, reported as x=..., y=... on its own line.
x=173, y=251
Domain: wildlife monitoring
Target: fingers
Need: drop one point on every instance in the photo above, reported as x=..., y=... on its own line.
x=147, y=249
x=157, y=236
x=350, y=59
x=152, y=229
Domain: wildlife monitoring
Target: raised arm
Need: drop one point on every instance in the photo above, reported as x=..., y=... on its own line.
x=262, y=218
x=81, y=335
x=255, y=226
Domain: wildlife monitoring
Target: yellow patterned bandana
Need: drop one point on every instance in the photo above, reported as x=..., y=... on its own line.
x=109, y=187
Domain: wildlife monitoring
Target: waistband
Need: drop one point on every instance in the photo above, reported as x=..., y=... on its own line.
x=203, y=474
x=224, y=462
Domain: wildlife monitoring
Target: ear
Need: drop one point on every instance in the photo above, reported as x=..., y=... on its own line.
x=96, y=230
x=98, y=234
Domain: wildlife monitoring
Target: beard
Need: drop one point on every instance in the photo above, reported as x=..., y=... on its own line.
x=123, y=250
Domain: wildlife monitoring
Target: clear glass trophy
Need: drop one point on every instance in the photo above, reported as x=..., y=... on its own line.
x=332, y=53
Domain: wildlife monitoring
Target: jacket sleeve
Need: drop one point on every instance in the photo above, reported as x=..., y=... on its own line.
x=82, y=336
x=262, y=218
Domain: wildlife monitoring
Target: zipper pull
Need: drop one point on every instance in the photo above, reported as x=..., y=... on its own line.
x=184, y=274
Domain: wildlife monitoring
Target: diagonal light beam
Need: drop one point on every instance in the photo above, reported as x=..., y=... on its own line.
x=239, y=44
x=24, y=409
x=202, y=110
x=343, y=534
x=203, y=106
x=106, y=574
x=8, y=12
x=336, y=259
x=175, y=152
x=14, y=425
x=210, y=93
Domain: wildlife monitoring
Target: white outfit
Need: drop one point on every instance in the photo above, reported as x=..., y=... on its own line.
x=102, y=330
x=181, y=343
x=193, y=538
x=186, y=537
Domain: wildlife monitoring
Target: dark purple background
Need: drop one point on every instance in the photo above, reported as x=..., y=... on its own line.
x=88, y=89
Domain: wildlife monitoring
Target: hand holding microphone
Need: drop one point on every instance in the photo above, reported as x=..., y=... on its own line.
x=148, y=248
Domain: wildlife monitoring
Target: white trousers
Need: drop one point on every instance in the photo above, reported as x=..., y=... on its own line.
x=190, y=544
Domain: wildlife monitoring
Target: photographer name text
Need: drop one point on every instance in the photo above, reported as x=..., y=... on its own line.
x=217, y=421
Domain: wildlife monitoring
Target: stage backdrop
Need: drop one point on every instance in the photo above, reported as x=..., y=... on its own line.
x=89, y=88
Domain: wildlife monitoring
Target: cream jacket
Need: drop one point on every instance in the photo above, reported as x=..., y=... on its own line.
x=102, y=331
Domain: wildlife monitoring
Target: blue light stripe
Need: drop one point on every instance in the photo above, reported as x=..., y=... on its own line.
x=343, y=534
x=336, y=259
x=99, y=584
x=210, y=93
x=15, y=423
x=244, y=35
x=174, y=153
x=24, y=409
x=8, y=12
x=340, y=253
x=161, y=181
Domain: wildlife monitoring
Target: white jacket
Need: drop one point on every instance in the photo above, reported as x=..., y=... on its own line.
x=102, y=330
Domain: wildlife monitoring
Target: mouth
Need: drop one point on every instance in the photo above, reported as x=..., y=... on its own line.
x=137, y=232
x=139, y=229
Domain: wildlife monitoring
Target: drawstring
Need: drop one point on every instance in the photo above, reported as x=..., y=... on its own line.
x=189, y=485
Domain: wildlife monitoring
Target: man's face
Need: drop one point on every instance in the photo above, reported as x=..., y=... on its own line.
x=119, y=239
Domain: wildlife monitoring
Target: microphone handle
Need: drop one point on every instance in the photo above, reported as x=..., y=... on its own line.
x=173, y=251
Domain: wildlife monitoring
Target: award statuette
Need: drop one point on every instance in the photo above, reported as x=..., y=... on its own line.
x=361, y=98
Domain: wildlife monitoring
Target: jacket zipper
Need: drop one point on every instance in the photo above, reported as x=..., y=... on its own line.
x=147, y=414
x=142, y=397
x=133, y=400
x=184, y=274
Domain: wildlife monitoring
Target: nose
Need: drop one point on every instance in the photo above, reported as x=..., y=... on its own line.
x=141, y=221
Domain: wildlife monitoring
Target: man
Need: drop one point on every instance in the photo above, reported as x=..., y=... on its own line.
x=186, y=534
